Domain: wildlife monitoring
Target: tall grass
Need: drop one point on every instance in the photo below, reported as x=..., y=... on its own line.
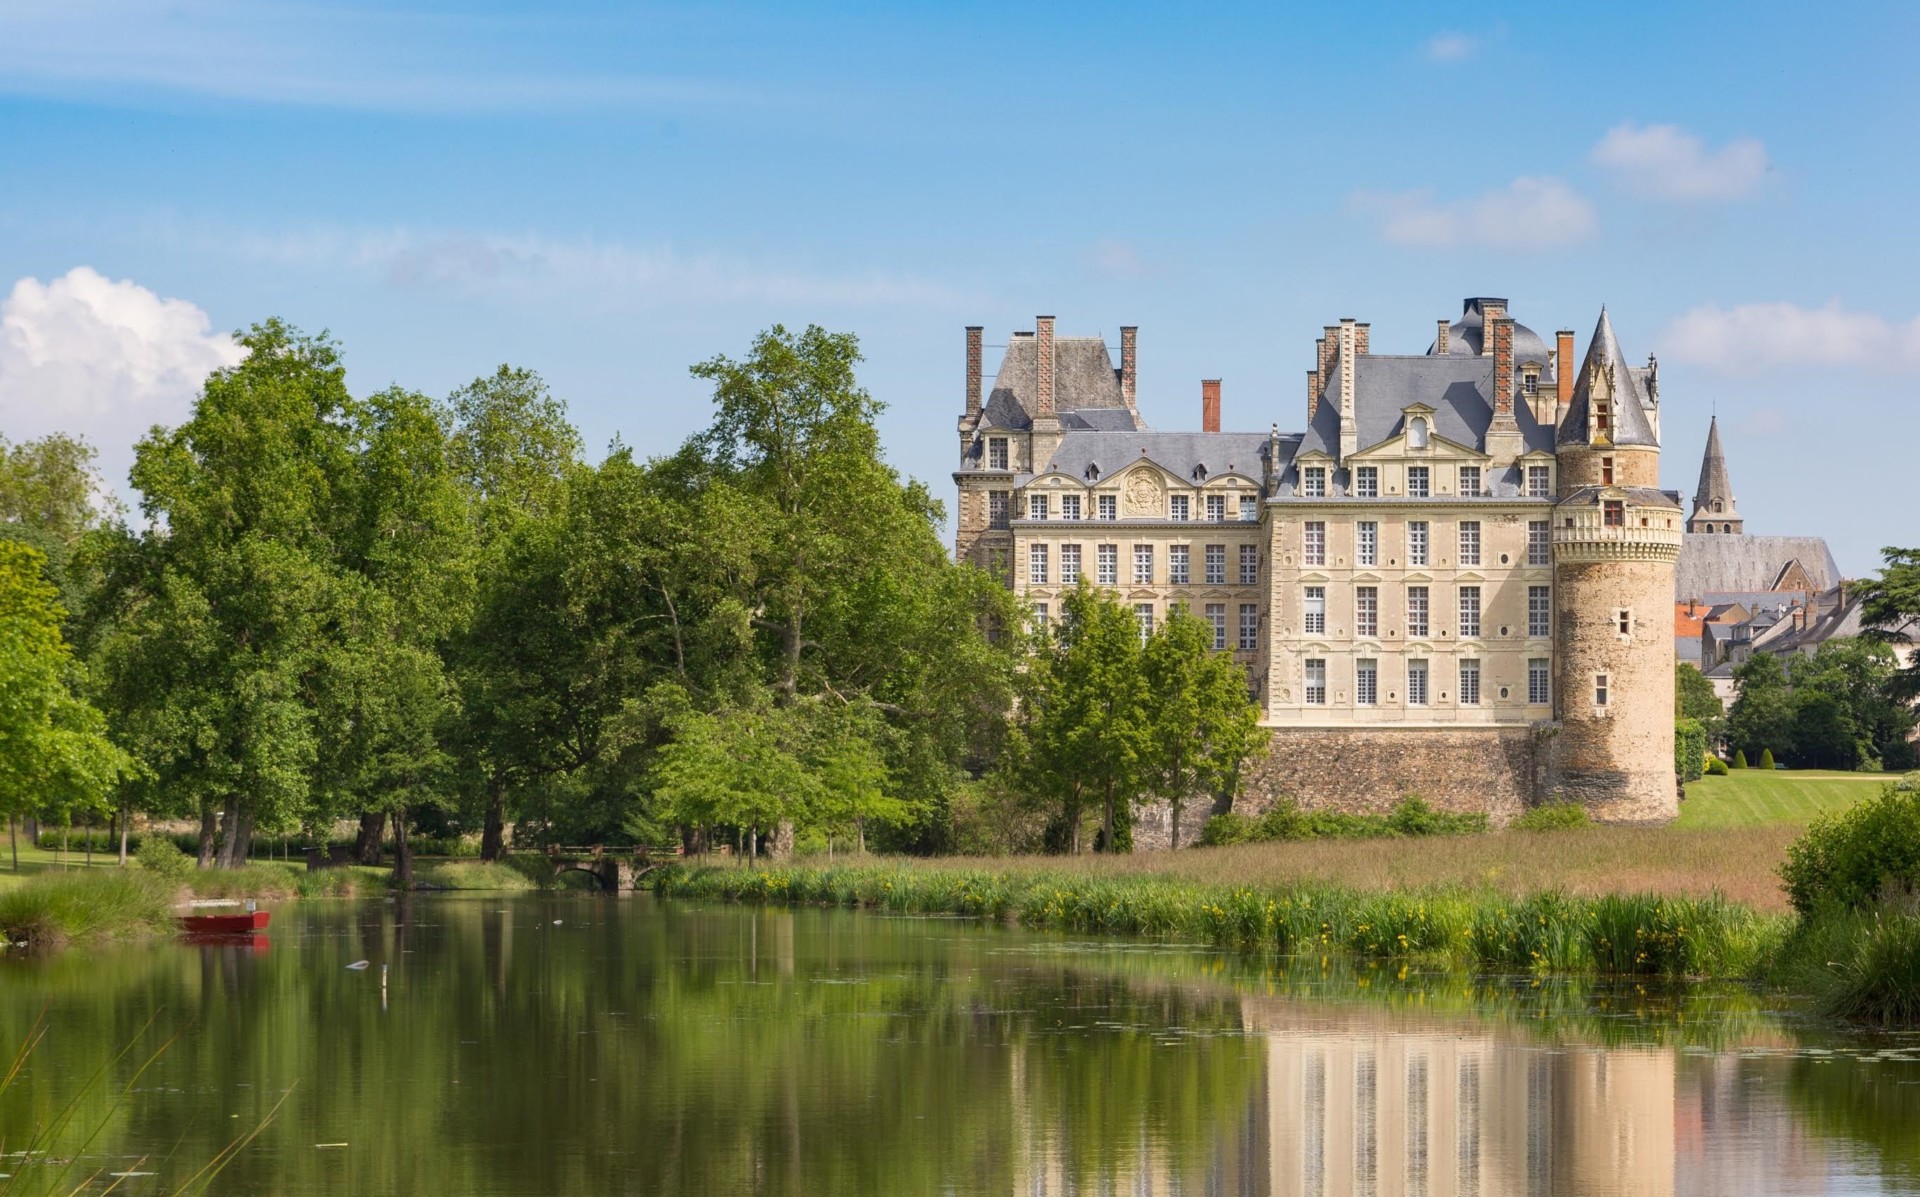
x=1639, y=935
x=1862, y=966
x=57, y=908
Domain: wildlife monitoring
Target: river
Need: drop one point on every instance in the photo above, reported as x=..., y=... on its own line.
x=578, y=1045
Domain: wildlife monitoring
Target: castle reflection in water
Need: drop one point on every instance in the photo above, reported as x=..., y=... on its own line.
x=1388, y=1107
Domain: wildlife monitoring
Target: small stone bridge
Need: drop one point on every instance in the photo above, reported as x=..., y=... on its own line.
x=616, y=869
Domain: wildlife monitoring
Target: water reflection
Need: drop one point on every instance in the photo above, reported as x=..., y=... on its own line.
x=553, y=1045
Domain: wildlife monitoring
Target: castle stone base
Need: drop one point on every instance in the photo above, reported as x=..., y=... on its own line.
x=1495, y=771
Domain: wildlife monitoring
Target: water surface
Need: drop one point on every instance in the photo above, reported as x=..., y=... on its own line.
x=571, y=1044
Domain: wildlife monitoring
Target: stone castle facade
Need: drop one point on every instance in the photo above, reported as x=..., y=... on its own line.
x=1456, y=581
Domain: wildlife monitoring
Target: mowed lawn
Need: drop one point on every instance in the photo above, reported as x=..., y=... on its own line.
x=1756, y=797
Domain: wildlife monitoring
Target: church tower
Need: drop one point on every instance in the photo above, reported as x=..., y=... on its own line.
x=1616, y=537
x=1713, y=506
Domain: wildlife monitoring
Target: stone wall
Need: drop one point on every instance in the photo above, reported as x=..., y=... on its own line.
x=1496, y=771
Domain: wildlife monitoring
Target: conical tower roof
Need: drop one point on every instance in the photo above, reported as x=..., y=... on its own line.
x=1630, y=424
x=1713, y=498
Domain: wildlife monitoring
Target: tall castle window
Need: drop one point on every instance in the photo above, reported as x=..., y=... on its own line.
x=1249, y=626
x=1143, y=612
x=998, y=502
x=1107, y=565
x=1366, y=611
x=1314, y=611
x=1216, y=565
x=1416, y=683
x=1037, y=565
x=1469, y=542
x=1366, y=482
x=1417, y=542
x=1417, y=612
x=1316, y=687
x=1143, y=564
x=1606, y=471
x=1419, y=483
x=1537, y=689
x=1366, y=543
x=1315, y=543
x=1539, y=543
x=1177, y=505
x=1040, y=616
x=1036, y=507
x=1069, y=507
x=996, y=452
x=1217, y=616
x=1107, y=506
x=1469, y=612
x=1539, y=611
x=1069, y=564
x=1539, y=482
x=1469, y=683
x=1249, y=564
x=1366, y=681
x=1315, y=484
x=1177, y=564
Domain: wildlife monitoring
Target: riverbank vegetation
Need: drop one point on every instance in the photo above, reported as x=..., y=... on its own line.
x=91, y=905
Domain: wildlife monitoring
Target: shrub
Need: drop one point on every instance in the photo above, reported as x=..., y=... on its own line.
x=1739, y=758
x=1230, y=828
x=474, y=875
x=1716, y=767
x=55, y=908
x=1854, y=858
x=1554, y=816
x=1766, y=758
x=163, y=857
x=1689, y=749
x=1878, y=979
x=1413, y=816
x=1283, y=821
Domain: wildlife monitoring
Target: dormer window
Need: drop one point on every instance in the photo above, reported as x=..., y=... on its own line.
x=1093, y=471
x=1177, y=506
x=996, y=452
x=1530, y=383
x=1469, y=480
x=1603, y=417
x=1366, y=482
x=1614, y=513
x=1200, y=472
x=1417, y=433
x=1717, y=508
x=1314, y=482
x=1606, y=471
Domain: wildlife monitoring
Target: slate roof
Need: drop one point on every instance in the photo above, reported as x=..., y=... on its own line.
x=1178, y=452
x=1717, y=563
x=1630, y=423
x=1084, y=382
x=1459, y=389
x=1641, y=496
x=1466, y=336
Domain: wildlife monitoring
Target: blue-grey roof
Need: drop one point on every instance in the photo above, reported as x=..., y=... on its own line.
x=1181, y=453
x=1083, y=380
x=1459, y=389
x=1639, y=496
x=1630, y=423
x=1466, y=336
x=1720, y=563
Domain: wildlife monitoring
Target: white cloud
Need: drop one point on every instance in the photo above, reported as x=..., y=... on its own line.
x=1451, y=47
x=1667, y=162
x=1750, y=338
x=102, y=359
x=523, y=267
x=1529, y=213
x=1121, y=259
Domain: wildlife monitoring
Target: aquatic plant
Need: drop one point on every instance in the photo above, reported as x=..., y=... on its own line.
x=62, y=907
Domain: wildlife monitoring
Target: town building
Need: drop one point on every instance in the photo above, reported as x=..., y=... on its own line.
x=1453, y=581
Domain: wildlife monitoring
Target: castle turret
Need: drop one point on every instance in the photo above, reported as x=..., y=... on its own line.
x=1713, y=505
x=1616, y=537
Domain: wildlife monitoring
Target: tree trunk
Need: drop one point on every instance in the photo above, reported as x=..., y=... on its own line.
x=781, y=843
x=87, y=831
x=1107, y=827
x=366, y=845
x=13, y=839
x=126, y=819
x=493, y=838
x=206, y=836
x=236, y=839
x=1175, y=810
x=753, y=844
x=402, y=851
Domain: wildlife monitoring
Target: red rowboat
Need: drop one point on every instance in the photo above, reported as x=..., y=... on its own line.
x=225, y=924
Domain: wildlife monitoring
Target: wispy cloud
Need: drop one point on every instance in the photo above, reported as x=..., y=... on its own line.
x=1753, y=337
x=1451, y=47
x=338, y=56
x=528, y=266
x=1668, y=163
x=1529, y=213
x=1116, y=258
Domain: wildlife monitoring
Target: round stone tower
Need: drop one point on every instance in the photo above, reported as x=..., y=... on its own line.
x=1616, y=537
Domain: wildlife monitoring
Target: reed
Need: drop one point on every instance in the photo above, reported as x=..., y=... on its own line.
x=89, y=905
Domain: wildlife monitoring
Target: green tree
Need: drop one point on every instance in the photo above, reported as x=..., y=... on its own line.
x=1202, y=723
x=51, y=496
x=55, y=757
x=1693, y=697
x=1865, y=720
x=1890, y=611
x=1762, y=710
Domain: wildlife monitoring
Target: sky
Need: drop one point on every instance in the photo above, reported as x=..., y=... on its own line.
x=608, y=193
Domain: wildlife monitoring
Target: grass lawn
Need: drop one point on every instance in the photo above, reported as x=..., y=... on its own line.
x=1757, y=797
x=34, y=861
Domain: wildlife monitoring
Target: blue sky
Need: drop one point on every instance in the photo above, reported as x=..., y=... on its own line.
x=610, y=192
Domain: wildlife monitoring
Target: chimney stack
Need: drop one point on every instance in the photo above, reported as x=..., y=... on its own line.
x=1361, y=334
x=1440, y=337
x=1209, y=405
x=1563, y=368
x=1313, y=394
x=1347, y=334
x=1490, y=310
x=1129, y=363
x=1500, y=329
x=973, y=373
x=1043, y=371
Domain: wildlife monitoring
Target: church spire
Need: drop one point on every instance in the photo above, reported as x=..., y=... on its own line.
x=1713, y=507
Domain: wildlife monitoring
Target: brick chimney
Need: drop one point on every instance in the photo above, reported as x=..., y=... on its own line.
x=1129, y=363
x=973, y=373
x=1500, y=330
x=1313, y=394
x=1440, y=338
x=1043, y=369
x=1490, y=310
x=1563, y=366
x=1209, y=405
x=1361, y=334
